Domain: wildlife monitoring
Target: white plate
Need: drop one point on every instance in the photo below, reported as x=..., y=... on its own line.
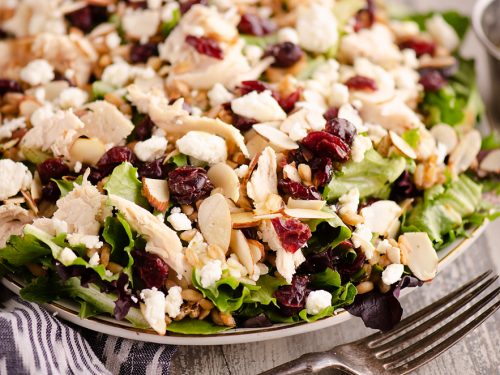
x=69, y=312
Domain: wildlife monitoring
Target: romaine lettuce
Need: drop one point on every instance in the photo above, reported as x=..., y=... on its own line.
x=124, y=183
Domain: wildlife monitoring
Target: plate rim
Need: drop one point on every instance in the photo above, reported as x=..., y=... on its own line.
x=109, y=326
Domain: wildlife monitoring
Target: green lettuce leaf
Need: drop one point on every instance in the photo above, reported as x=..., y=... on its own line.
x=195, y=327
x=167, y=26
x=124, y=183
x=119, y=236
x=312, y=318
x=21, y=250
x=441, y=212
x=100, y=89
x=43, y=289
x=412, y=137
x=457, y=21
x=264, y=295
x=327, y=280
x=491, y=142
x=180, y=160
x=327, y=233
x=372, y=176
x=65, y=186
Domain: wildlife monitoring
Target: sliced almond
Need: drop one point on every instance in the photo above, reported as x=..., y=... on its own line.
x=379, y=216
x=491, y=163
x=465, y=153
x=402, y=145
x=224, y=177
x=28, y=106
x=276, y=137
x=214, y=219
x=256, y=144
x=256, y=249
x=306, y=204
x=87, y=150
x=244, y=220
x=240, y=247
x=268, y=216
x=446, y=135
x=419, y=255
x=156, y=192
x=300, y=213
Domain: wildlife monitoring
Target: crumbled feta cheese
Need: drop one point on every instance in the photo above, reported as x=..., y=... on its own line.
x=380, y=215
x=349, y=113
x=89, y=241
x=108, y=273
x=392, y=273
x=289, y=171
x=14, y=177
x=37, y=72
x=154, y=308
x=134, y=299
x=10, y=126
x=67, y=256
x=317, y=301
x=151, y=148
x=259, y=106
x=288, y=34
x=113, y=40
x=360, y=145
x=203, y=146
x=375, y=132
x=94, y=259
x=210, y=273
x=242, y=171
x=173, y=301
x=442, y=32
x=219, y=95
x=339, y=95
x=117, y=74
x=392, y=252
x=167, y=13
x=78, y=167
x=141, y=24
x=316, y=27
x=362, y=237
x=349, y=202
x=253, y=54
x=410, y=59
x=179, y=220
x=235, y=268
x=52, y=226
x=72, y=97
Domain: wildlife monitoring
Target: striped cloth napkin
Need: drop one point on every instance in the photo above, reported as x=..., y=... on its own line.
x=33, y=341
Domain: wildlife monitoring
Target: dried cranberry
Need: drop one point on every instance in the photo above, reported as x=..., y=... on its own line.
x=255, y=25
x=4, y=34
x=298, y=191
x=432, y=80
x=361, y=83
x=143, y=130
x=331, y=146
x=95, y=176
x=292, y=298
x=52, y=168
x=288, y=102
x=404, y=188
x=188, y=184
x=113, y=157
x=342, y=128
x=420, y=46
x=258, y=321
x=9, y=85
x=140, y=53
x=292, y=233
x=51, y=191
x=322, y=169
x=87, y=17
x=205, y=46
x=365, y=17
x=285, y=54
x=187, y=4
x=154, y=169
x=248, y=86
x=302, y=155
x=331, y=113
x=134, y=4
x=151, y=269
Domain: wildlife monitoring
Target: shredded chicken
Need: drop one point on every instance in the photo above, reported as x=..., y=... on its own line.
x=13, y=218
x=264, y=180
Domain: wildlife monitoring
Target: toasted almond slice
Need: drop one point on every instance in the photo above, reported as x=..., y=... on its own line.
x=402, y=145
x=268, y=216
x=379, y=216
x=465, y=153
x=156, y=192
x=214, y=219
x=276, y=137
x=87, y=150
x=301, y=213
x=224, y=177
x=240, y=247
x=491, y=163
x=244, y=220
x=256, y=249
x=445, y=134
x=306, y=204
x=419, y=254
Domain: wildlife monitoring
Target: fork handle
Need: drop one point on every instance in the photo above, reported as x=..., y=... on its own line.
x=307, y=363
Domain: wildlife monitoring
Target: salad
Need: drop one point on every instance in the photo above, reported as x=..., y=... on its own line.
x=194, y=166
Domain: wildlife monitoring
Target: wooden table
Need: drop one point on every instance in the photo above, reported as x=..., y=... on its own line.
x=478, y=353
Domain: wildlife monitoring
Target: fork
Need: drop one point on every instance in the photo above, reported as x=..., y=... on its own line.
x=396, y=351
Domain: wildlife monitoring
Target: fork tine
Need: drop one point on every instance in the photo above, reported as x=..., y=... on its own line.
x=434, y=307
x=450, y=341
x=441, y=332
x=380, y=349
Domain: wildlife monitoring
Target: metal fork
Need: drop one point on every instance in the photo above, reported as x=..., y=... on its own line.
x=404, y=348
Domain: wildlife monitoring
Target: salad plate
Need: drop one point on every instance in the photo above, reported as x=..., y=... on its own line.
x=70, y=312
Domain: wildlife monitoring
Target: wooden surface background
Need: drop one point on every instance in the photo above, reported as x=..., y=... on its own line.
x=478, y=353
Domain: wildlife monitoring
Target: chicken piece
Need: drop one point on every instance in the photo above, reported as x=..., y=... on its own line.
x=13, y=178
x=12, y=221
x=264, y=180
x=161, y=240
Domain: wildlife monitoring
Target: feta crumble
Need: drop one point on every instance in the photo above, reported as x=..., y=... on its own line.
x=362, y=237
x=259, y=106
x=151, y=148
x=154, y=308
x=210, y=273
x=392, y=273
x=173, y=302
x=113, y=40
x=317, y=301
x=242, y=171
x=72, y=97
x=117, y=74
x=37, y=72
x=219, y=95
x=141, y=24
x=360, y=145
x=288, y=34
x=349, y=202
x=179, y=220
x=14, y=177
x=203, y=146
x=94, y=259
x=10, y=126
x=67, y=256
x=316, y=28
